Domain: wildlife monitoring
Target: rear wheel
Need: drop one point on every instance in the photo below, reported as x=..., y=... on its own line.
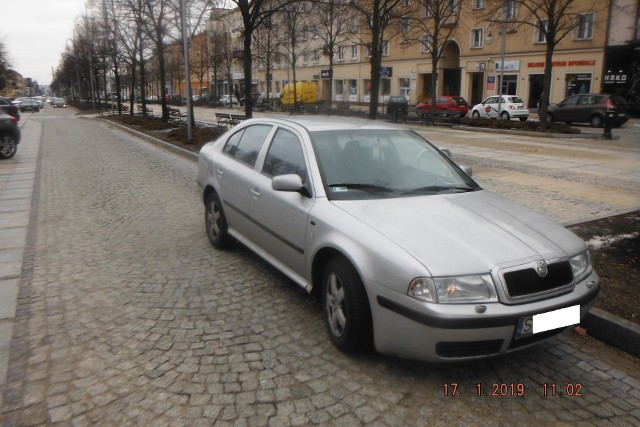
x=475, y=115
x=550, y=118
x=505, y=116
x=8, y=146
x=596, y=121
x=346, y=307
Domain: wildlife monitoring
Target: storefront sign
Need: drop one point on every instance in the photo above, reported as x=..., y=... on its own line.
x=491, y=82
x=325, y=74
x=512, y=65
x=610, y=79
x=386, y=71
x=563, y=63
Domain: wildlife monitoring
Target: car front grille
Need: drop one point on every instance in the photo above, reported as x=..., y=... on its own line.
x=526, y=281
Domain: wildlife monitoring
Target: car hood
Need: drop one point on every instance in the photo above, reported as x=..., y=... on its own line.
x=466, y=233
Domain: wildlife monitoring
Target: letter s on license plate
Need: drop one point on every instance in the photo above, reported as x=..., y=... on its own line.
x=524, y=327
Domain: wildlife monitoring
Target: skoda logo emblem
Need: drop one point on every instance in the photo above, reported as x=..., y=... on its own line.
x=541, y=268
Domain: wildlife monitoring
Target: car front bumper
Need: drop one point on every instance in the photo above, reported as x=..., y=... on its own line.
x=407, y=327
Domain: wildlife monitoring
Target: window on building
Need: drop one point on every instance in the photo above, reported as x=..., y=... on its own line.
x=427, y=12
x=452, y=7
x=406, y=24
x=305, y=57
x=426, y=41
x=341, y=53
x=404, y=87
x=477, y=38
x=316, y=56
x=511, y=10
x=354, y=24
x=541, y=27
x=479, y=4
x=339, y=84
x=386, y=48
x=406, y=3
x=368, y=54
x=354, y=51
x=584, y=27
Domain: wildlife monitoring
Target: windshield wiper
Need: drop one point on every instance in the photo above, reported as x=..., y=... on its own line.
x=437, y=189
x=364, y=187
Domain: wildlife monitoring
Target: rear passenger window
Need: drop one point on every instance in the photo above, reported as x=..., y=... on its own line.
x=246, y=144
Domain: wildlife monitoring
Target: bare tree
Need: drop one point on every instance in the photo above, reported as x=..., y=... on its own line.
x=334, y=23
x=433, y=23
x=266, y=50
x=5, y=65
x=382, y=19
x=200, y=59
x=156, y=24
x=552, y=20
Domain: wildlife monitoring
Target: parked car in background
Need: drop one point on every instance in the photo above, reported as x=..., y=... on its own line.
x=590, y=108
x=444, y=103
x=408, y=253
x=228, y=99
x=58, y=103
x=9, y=108
x=511, y=107
x=9, y=136
x=27, y=104
x=397, y=104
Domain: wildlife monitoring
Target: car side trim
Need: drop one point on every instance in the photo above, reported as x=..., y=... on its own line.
x=268, y=230
x=478, y=322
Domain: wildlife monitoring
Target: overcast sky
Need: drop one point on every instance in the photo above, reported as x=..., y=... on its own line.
x=34, y=33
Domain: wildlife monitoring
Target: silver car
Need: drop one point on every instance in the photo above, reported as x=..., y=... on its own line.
x=410, y=256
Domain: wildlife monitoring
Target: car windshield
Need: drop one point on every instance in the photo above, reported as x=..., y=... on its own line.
x=366, y=164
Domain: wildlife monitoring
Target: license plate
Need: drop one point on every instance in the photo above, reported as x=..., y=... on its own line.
x=520, y=107
x=547, y=321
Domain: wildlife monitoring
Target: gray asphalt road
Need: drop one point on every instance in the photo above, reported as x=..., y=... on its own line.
x=126, y=316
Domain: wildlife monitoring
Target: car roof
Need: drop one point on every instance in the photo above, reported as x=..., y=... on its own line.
x=315, y=123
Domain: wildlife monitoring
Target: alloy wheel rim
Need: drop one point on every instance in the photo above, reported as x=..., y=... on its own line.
x=213, y=219
x=7, y=147
x=335, y=306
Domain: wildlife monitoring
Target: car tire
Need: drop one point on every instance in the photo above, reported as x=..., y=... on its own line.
x=8, y=146
x=505, y=116
x=596, y=121
x=475, y=115
x=216, y=223
x=346, y=307
x=550, y=119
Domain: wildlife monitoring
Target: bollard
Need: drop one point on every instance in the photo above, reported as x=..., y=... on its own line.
x=607, y=125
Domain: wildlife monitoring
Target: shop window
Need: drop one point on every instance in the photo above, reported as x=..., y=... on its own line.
x=510, y=85
x=353, y=90
x=339, y=85
x=404, y=87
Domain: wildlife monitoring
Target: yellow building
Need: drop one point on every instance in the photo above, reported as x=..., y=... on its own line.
x=470, y=64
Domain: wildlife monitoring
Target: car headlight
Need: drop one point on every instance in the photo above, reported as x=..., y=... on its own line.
x=454, y=290
x=581, y=266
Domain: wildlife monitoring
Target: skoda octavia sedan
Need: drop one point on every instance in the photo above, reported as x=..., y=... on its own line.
x=410, y=256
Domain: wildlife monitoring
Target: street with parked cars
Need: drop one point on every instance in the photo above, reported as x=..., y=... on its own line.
x=124, y=314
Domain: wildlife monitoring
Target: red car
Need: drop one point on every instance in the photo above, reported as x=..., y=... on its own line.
x=444, y=103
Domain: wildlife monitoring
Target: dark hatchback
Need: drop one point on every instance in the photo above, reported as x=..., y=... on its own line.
x=9, y=135
x=590, y=108
x=397, y=105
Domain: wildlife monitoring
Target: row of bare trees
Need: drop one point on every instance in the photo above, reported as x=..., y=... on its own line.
x=127, y=34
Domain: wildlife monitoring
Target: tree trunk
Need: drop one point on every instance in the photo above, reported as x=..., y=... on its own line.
x=248, y=98
x=546, y=86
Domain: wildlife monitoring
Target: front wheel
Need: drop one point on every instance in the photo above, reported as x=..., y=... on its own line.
x=8, y=146
x=216, y=223
x=346, y=307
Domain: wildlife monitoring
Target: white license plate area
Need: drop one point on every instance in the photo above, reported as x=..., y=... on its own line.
x=537, y=323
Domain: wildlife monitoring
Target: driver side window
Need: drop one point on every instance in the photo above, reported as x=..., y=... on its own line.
x=285, y=156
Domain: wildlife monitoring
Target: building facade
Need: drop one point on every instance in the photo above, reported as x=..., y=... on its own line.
x=470, y=65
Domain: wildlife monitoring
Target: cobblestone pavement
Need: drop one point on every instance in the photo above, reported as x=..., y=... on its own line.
x=127, y=316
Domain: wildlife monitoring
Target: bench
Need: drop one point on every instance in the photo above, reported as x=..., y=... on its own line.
x=237, y=118
x=149, y=110
x=176, y=115
x=450, y=117
x=224, y=120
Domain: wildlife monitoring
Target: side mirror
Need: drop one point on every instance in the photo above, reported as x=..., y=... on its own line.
x=289, y=182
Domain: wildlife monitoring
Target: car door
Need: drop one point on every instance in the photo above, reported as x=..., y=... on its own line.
x=566, y=110
x=490, y=107
x=236, y=174
x=282, y=217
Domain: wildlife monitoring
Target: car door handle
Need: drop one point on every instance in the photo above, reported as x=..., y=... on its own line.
x=219, y=172
x=255, y=192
